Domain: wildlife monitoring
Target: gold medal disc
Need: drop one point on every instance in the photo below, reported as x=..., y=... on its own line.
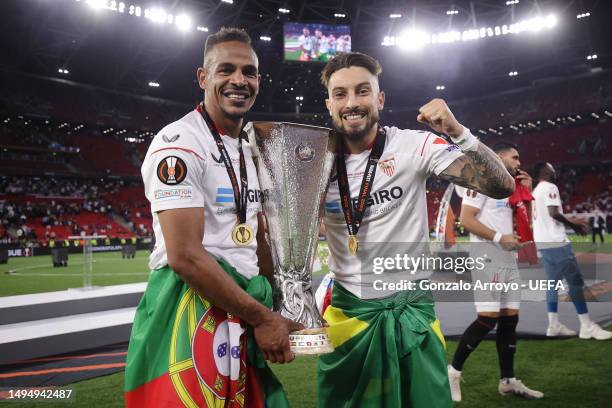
x=242, y=234
x=353, y=244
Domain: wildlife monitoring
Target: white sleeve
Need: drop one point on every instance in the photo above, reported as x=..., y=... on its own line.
x=173, y=179
x=551, y=196
x=437, y=154
x=473, y=199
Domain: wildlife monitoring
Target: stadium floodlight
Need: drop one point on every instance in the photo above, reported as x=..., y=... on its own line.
x=183, y=22
x=512, y=2
x=156, y=14
x=592, y=56
x=202, y=28
x=97, y=4
x=583, y=15
x=63, y=71
x=283, y=10
x=451, y=12
x=121, y=7
x=607, y=113
x=154, y=84
x=339, y=15
x=299, y=98
x=412, y=40
x=440, y=87
x=265, y=38
x=395, y=15
x=512, y=73
x=227, y=1
x=596, y=116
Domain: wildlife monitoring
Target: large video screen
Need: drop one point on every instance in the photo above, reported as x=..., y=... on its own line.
x=315, y=42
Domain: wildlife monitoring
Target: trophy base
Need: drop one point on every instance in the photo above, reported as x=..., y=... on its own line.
x=310, y=342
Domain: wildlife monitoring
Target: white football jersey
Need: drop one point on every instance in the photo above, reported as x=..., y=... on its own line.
x=545, y=228
x=494, y=214
x=396, y=210
x=183, y=169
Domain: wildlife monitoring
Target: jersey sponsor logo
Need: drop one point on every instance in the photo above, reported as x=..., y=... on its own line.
x=376, y=198
x=170, y=139
x=552, y=195
x=502, y=204
x=171, y=170
x=388, y=166
x=333, y=207
x=173, y=194
x=225, y=196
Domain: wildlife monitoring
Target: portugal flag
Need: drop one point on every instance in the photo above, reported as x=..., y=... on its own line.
x=186, y=352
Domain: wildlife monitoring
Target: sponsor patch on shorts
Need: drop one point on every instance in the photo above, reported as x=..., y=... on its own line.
x=173, y=194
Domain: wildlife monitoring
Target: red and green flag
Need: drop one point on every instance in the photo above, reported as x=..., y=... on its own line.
x=186, y=352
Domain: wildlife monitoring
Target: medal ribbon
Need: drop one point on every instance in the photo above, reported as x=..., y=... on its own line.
x=240, y=193
x=353, y=215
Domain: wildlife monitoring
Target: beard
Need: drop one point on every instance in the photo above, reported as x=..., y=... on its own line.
x=356, y=135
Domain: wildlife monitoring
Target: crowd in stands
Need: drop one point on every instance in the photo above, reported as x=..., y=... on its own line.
x=81, y=159
x=42, y=209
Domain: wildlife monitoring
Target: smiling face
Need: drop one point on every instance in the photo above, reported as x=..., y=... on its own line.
x=354, y=102
x=230, y=79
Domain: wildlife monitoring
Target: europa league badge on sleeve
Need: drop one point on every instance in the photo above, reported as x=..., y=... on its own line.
x=294, y=166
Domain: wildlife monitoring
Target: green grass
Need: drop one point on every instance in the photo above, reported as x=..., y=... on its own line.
x=571, y=373
x=37, y=274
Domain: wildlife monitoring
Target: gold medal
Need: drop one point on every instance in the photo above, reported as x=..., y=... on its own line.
x=242, y=234
x=353, y=244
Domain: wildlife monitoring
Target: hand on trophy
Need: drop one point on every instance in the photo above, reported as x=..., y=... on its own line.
x=272, y=337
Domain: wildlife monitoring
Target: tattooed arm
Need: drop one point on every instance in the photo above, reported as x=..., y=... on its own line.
x=479, y=168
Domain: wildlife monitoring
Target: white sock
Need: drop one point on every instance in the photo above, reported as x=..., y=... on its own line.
x=585, y=320
x=553, y=318
x=453, y=370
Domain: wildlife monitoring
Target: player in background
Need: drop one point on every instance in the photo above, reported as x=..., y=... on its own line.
x=558, y=257
x=490, y=223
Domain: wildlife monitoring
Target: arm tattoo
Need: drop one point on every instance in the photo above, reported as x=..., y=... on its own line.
x=481, y=170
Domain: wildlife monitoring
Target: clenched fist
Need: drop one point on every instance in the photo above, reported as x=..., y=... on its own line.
x=437, y=115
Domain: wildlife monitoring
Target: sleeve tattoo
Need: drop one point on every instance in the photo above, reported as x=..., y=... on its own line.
x=481, y=170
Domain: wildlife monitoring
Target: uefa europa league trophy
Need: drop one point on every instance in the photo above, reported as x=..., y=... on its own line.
x=294, y=165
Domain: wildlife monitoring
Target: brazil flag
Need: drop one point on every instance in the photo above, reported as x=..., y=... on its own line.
x=388, y=353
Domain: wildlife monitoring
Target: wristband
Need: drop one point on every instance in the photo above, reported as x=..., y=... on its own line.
x=497, y=237
x=467, y=142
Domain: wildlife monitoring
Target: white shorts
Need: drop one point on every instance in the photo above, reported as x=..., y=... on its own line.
x=495, y=296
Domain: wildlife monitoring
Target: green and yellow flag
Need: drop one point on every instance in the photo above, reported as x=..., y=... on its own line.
x=388, y=353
